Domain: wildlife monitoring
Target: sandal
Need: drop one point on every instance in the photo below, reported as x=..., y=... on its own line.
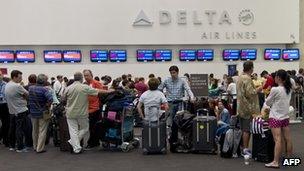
x=272, y=165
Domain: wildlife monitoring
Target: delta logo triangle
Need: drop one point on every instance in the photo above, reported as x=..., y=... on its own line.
x=142, y=20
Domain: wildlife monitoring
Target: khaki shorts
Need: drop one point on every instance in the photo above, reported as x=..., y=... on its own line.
x=245, y=124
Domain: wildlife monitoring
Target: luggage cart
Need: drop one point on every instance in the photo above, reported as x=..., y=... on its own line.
x=119, y=133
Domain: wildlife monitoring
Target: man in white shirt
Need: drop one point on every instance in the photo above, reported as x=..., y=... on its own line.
x=16, y=96
x=59, y=86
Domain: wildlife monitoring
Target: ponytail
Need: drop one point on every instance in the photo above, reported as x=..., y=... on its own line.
x=286, y=79
x=287, y=85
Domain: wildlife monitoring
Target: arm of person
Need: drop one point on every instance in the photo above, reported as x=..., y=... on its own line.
x=49, y=97
x=226, y=118
x=164, y=102
x=94, y=92
x=139, y=109
x=270, y=99
x=162, y=86
x=189, y=92
x=24, y=93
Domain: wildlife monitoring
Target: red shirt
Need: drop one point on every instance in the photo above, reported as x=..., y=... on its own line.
x=94, y=100
x=269, y=82
x=141, y=88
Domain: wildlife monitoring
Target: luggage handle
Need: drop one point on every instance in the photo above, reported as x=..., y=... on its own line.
x=158, y=127
x=202, y=110
x=197, y=124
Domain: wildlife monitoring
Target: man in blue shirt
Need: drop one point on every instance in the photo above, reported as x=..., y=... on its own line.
x=4, y=114
x=175, y=91
x=40, y=99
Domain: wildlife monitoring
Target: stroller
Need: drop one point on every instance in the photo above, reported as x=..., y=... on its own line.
x=117, y=123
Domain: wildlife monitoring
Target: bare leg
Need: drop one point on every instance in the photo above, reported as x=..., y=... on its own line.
x=277, y=136
x=246, y=138
x=287, y=137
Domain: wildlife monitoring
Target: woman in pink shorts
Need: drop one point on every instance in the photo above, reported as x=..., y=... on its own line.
x=278, y=101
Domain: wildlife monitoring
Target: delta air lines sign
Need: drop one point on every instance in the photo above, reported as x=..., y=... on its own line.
x=212, y=17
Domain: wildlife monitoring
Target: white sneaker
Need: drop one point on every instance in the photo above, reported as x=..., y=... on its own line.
x=22, y=151
x=247, y=152
x=11, y=149
x=235, y=155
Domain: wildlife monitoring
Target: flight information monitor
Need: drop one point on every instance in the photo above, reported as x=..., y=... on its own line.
x=72, y=56
x=145, y=55
x=99, y=55
x=272, y=54
x=205, y=54
x=118, y=55
x=248, y=54
x=231, y=54
x=187, y=55
x=163, y=55
x=25, y=56
x=7, y=56
x=291, y=54
x=52, y=55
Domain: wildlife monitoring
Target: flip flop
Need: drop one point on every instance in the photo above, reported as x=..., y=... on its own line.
x=271, y=165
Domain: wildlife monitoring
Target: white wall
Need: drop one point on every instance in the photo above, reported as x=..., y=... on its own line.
x=104, y=22
x=100, y=24
x=218, y=66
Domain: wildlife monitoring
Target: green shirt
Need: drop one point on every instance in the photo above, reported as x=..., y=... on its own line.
x=77, y=100
x=247, y=97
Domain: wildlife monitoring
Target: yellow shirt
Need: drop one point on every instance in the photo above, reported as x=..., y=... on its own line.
x=258, y=82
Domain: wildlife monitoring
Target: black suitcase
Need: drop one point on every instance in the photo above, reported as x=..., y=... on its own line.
x=55, y=131
x=64, y=134
x=263, y=147
x=204, y=132
x=154, y=137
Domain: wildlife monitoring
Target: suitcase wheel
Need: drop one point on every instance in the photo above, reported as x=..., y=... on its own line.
x=145, y=152
x=105, y=145
x=125, y=147
x=164, y=151
x=135, y=143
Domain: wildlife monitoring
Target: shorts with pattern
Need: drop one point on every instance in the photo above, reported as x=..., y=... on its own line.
x=274, y=123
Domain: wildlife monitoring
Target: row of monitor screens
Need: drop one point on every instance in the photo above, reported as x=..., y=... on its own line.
x=147, y=55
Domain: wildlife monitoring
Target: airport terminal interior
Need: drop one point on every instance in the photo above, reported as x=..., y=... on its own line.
x=151, y=85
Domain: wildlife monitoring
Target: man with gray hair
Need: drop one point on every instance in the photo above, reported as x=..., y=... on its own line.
x=40, y=100
x=76, y=96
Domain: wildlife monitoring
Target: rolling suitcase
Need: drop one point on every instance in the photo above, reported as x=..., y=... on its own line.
x=55, y=131
x=263, y=147
x=154, y=137
x=64, y=134
x=204, y=131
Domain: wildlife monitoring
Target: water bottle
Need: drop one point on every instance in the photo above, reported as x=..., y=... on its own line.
x=246, y=159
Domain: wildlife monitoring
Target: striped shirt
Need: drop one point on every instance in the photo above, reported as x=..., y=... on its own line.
x=39, y=96
x=175, y=89
x=2, y=94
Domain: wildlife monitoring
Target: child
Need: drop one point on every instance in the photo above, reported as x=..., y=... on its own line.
x=150, y=99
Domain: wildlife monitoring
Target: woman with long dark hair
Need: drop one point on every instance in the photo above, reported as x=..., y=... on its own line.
x=278, y=101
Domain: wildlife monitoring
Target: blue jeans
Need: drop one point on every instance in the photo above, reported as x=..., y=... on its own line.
x=17, y=130
x=173, y=109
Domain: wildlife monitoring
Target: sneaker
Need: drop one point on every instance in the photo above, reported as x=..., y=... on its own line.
x=28, y=148
x=235, y=156
x=247, y=152
x=88, y=148
x=11, y=149
x=22, y=151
